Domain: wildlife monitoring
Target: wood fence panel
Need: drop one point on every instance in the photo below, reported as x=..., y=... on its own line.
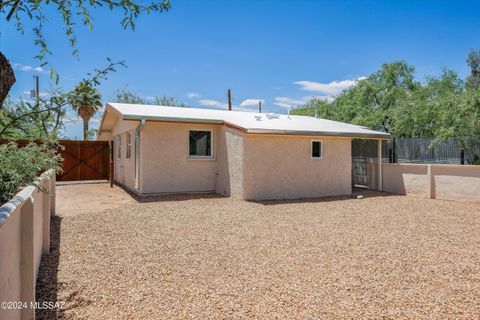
x=85, y=160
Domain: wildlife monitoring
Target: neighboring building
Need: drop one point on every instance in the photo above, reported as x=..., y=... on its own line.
x=253, y=156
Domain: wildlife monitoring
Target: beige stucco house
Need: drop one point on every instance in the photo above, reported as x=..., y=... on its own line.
x=253, y=156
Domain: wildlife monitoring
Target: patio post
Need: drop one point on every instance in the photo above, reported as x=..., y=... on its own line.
x=380, y=163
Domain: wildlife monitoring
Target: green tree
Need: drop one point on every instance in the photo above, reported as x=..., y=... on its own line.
x=421, y=113
x=32, y=123
x=43, y=119
x=85, y=100
x=443, y=107
x=168, y=101
x=372, y=101
x=473, y=61
x=460, y=120
x=20, y=166
x=126, y=96
x=72, y=13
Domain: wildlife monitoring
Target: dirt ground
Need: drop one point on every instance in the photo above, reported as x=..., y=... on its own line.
x=79, y=198
x=382, y=257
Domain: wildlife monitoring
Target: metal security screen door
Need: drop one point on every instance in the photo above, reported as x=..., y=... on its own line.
x=360, y=172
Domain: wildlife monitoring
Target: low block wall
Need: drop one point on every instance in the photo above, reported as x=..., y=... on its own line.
x=24, y=237
x=436, y=181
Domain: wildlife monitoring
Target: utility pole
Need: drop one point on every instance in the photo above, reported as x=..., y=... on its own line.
x=37, y=93
x=260, y=106
x=229, y=94
x=34, y=92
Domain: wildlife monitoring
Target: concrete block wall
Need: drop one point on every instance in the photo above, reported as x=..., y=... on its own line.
x=24, y=237
x=436, y=181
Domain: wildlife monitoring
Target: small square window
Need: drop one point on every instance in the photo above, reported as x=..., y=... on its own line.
x=200, y=143
x=317, y=149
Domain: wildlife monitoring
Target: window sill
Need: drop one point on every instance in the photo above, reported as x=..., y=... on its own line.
x=202, y=158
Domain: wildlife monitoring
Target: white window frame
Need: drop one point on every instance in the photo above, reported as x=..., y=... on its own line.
x=119, y=146
x=128, y=149
x=210, y=157
x=321, y=150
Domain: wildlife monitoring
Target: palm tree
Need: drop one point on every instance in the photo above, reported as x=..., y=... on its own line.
x=85, y=101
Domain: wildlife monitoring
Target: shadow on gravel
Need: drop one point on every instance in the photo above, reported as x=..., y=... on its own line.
x=355, y=195
x=47, y=283
x=176, y=197
x=169, y=197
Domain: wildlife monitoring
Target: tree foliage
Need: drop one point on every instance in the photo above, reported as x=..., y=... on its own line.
x=126, y=96
x=85, y=101
x=34, y=159
x=391, y=100
x=168, y=101
x=43, y=118
x=72, y=13
x=473, y=61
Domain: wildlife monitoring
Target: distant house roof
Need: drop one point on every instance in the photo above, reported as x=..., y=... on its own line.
x=250, y=122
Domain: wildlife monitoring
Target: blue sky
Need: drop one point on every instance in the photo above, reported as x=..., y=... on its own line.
x=282, y=52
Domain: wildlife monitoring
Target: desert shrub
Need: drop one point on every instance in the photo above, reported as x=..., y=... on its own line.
x=21, y=166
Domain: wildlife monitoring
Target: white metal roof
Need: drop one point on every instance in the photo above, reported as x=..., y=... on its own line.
x=251, y=122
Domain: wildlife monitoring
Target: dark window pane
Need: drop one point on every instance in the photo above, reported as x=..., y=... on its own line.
x=316, y=149
x=200, y=143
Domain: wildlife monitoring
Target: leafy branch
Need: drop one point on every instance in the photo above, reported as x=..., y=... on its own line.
x=59, y=101
x=18, y=11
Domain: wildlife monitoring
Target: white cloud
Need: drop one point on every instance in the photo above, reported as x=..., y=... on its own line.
x=193, y=95
x=288, y=102
x=26, y=68
x=333, y=88
x=212, y=103
x=42, y=94
x=251, y=102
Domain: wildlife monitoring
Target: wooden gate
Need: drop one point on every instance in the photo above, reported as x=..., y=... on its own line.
x=85, y=160
x=82, y=160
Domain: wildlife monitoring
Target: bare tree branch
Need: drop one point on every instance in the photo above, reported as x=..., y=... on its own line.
x=12, y=10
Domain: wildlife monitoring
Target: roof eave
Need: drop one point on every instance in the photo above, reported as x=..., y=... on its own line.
x=385, y=136
x=171, y=119
x=108, y=107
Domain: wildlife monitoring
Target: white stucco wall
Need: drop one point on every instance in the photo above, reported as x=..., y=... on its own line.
x=281, y=167
x=453, y=182
x=230, y=162
x=165, y=166
x=442, y=181
x=24, y=237
x=408, y=179
x=248, y=166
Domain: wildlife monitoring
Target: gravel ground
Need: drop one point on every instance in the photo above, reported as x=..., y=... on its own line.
x=385, y=257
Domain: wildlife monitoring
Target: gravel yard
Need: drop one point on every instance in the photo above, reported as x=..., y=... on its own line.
x=210, y=257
